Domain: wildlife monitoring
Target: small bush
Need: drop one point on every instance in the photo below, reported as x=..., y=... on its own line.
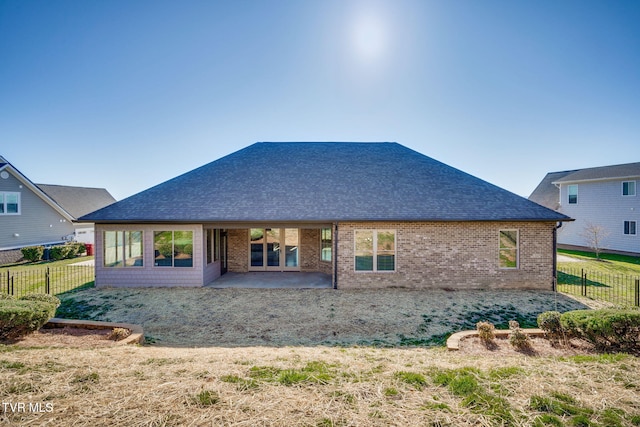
x=118, y=334
x=549, y=322
x=32, y=253
x=19, y=317
x=57, y=253
x=517, y=338
x=42, y=298
x=607, y=329
x=6, y=297
x=486, y=332
x=79, y=248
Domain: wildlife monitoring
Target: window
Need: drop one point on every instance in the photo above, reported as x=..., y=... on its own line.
x=209, y=246
x=9, y=203
x=325, y=244
x=630, y=228
x=572, y=190
x=508, y=248
x=213, y=248
x=173, y=248
x=629, y=188
x=123, y=249
x=375, y=250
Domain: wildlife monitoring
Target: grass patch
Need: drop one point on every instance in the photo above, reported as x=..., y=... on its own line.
x=7, y=364
x=206, y=398
x=413, y=379
x=466, y=383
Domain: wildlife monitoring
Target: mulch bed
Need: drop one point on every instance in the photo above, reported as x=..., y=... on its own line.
x=539, y=347
x=67, y=337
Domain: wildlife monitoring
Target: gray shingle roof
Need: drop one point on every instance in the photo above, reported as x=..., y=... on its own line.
x=628, y=170
x=546, y=193
x=78, y=201
x=324, y=181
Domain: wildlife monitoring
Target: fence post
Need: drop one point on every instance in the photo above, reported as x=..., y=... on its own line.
x=637, y=292
x=47, y=282
x=583, y=282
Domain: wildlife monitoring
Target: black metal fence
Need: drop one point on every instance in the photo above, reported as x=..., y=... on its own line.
x=48, y=280
x=615, y=289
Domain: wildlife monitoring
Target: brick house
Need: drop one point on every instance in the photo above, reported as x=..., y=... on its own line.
x=367, y=214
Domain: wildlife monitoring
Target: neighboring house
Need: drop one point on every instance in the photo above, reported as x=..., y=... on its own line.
x=606, y=197
x=38, y=214
x=371, y=215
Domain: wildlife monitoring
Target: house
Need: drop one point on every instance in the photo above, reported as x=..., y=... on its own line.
x=605, y=197
x=369, y=215
x=37, y=214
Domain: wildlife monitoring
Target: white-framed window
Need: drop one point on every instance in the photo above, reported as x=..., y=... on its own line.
x=375, y=250
x=508, y=249
x=630, y=228
x=213, y=245
x=572, y=191
x=173, y=248
x=628, y=188
x=9, y=203
x=123, y=249
x=326, y=244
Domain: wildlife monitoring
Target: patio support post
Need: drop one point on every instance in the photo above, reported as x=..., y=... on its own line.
x=335, y=256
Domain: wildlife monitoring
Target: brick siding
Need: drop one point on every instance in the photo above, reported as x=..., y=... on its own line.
x=456, y=255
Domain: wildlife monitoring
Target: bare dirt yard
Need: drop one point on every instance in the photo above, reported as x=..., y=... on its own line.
x=281, y=317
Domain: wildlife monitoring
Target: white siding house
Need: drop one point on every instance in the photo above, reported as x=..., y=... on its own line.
x=605, y=197
x=39, y=214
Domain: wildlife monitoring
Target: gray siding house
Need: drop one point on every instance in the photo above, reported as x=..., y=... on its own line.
x=602, y=196
x=369, y=215
x=38, y=214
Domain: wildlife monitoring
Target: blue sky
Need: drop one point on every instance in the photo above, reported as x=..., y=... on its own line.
x=127, y=94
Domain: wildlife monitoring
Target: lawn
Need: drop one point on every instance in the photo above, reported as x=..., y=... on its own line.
x=268, y=357
x=61, y=276
x=612, y=279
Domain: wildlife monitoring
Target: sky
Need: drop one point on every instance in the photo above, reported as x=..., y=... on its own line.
x=124, y=95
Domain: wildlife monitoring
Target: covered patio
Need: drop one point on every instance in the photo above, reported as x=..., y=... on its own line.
x=273, y=280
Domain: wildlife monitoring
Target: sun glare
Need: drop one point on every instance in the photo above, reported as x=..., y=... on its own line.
x=369, y=36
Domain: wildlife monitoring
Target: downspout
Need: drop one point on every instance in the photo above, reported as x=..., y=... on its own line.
x=555, y=256
x=335, y=255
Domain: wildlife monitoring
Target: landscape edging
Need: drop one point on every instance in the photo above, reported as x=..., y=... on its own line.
x=136, y=337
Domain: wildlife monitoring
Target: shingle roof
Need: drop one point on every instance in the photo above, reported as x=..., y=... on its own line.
x=78, y=201
x=546, y=193
x=324, y=181
x=628, y=170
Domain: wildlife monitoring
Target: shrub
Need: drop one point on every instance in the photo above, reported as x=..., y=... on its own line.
x=57, y=253
x=21, y=317
x=607, y=329
x=42, y=298
x=118, y=334
x=32, y=253
x=549, y=322
x=517, y=338
x=486, y=332
x=5, y=296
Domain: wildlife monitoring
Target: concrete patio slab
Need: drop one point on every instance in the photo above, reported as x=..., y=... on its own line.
x=273, y=280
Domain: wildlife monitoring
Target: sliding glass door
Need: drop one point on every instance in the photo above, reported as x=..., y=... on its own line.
x=273, y=249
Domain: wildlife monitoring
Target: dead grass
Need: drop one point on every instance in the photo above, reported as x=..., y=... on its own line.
x=263, y=359
x=136, y=386
x=277, y=317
